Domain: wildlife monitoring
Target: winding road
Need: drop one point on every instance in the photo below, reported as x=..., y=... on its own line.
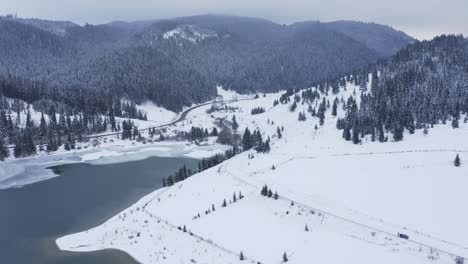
x=181, y=118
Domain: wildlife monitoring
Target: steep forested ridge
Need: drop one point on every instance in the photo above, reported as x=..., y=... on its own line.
x=95, y=65
x=422, y=85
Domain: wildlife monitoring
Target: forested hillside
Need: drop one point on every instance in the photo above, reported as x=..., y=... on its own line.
x=422, y=85
x=82, y=77
x=177, y=62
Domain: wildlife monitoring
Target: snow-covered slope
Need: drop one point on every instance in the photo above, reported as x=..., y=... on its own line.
x=353, y=199
x=191, y=33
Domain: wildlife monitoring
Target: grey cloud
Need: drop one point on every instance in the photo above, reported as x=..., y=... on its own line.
x=419, y=18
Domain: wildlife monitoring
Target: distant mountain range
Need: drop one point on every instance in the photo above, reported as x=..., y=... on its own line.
x=177, y=62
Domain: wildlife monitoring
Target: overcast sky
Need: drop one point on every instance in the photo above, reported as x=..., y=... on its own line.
x=422, y=19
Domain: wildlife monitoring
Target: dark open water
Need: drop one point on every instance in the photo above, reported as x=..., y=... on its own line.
x=83, y=196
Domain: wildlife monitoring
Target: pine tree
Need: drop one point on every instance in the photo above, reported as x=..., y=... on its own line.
x=335, y=107
x=293, y=107
x=18, y=149
x=170, y=180
x=270, y=193
x=347, y=133
x=356, y=139
x=224, y=203
x=398, y=133
x=302, y=116
x=278, y=133
x=381, y=133
x=455, y=122
x=267, y=147
x=425, y=131
x=3, y=150
x=235, y=126
x=241, y=256
x=276, y=196
x=247, y=140
x=285, y=257
x=30, y=146
x=457, y=161
x=306, y=228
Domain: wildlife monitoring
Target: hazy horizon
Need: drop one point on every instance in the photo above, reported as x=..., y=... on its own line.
x=422, y=19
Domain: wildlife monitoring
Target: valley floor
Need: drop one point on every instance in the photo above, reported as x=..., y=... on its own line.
x=337, y=203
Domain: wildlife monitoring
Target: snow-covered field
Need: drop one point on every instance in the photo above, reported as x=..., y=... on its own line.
x=354, y=199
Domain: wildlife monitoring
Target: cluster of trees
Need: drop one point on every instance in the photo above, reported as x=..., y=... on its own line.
x=235, y=197
x=267, y=192
x=257, y=110
x=254, y=140
x=216, y=159
x=60, y=126
x=197, y=133
x=422, y=85
x=249, y=141
x=203, y=164
x=182, y=174
x=129, y=130
x=227, y=137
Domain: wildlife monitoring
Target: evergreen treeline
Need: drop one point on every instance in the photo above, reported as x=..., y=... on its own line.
x=254, y=140
x=421, y=86
x=197, y=133
x=203, y=164
x=92, y=64
x=257, y=110
x=63, y=126
x=249, y=140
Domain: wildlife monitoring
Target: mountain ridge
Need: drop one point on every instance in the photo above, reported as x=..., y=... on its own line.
x=247, y=55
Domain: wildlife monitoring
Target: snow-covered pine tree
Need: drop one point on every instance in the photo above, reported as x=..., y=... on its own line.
x=235, y=126
x=457, y=161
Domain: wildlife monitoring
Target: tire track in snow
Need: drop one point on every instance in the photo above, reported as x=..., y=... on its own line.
x=327, y=213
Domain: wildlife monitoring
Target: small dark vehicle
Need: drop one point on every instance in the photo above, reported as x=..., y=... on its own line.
x=404, y=236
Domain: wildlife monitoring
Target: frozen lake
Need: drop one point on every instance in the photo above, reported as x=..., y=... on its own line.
x=33, y=217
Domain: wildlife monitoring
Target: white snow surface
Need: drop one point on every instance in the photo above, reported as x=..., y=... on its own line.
x=354, y=199
x=191, y=33
x=157, y=114
x=230, y=95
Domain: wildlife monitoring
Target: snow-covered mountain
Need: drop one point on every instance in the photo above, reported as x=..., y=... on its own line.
x=146, y=61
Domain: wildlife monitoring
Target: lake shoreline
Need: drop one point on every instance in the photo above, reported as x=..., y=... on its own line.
x=18, y=173
x=82, y=197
